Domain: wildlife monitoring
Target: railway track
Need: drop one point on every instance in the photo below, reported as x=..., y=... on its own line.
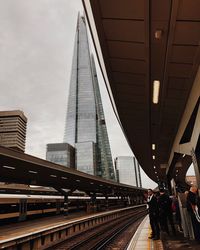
x=113, y=235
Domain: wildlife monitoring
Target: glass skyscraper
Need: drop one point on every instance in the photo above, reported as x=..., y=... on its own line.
x=128, y=170
x=85, y=127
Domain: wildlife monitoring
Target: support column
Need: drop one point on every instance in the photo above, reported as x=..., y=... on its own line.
x=169, y=187
x=66, y=208
x=66, y=200
x=93, y=201
x=196, y=163
x=106, y=200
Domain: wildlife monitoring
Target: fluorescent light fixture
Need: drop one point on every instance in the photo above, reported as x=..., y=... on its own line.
x=78, y=180
x=156, y=89
x=32, y=172
x=64, y=178
x=52, y=175
x=9, y=167
x=153, y=146
x=33, y=186
x=153, y=156
x=91, y=183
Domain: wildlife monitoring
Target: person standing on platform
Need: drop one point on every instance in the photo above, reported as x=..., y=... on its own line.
x=153, y=215
x=185, y=217
x=165, y=212
x=192, y=202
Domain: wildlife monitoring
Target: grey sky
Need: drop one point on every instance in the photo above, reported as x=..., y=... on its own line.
x=36, y=46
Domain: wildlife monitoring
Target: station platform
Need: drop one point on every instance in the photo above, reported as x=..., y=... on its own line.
x=18, y=229
x=140, y=240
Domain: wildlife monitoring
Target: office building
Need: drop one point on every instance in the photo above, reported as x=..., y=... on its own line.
x=61, y=153
x=138, y=173
x=128, y=170
x=85, y=127
x=13, y=129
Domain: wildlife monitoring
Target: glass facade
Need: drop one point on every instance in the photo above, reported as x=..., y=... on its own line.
x=104, y=157
x=85, y=127
x=128, y=170
x=86, y=157
x=61, y=153
x=138, y=175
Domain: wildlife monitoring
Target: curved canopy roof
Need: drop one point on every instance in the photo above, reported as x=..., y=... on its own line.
x=141, y=42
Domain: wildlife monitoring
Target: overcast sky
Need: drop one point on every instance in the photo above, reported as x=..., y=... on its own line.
x=36, y=45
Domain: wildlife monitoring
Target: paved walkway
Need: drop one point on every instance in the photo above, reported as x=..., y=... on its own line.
x=17, y=229
x=140, y=240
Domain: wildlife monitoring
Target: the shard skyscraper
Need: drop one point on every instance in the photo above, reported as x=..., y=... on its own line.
x=85, y=127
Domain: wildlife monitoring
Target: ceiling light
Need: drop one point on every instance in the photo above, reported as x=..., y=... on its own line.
x=153, y=156
x=32, y=172
x=183, y=155
x=78, y=180
x=64, y=178
x=158, y=34
x=156, y=89
x=91, y=183
x=52, y=175
x=33, y=186
x=153, y=146
x=9, y=167
x=156, y=172
x=154, y=166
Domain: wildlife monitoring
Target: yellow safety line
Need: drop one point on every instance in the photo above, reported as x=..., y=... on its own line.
x=149, y=240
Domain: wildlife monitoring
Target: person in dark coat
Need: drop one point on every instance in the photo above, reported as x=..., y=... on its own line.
x=153, y=215
x=192, y=205
x=165, y=212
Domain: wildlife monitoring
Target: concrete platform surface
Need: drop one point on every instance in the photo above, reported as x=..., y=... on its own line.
x=17, y=229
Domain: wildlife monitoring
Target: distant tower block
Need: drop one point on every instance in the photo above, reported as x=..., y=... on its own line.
x=128, y=170
x=61, y=153
x=13, y=129
x=85, y=127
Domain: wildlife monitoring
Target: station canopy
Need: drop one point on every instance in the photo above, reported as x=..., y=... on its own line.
x=143, y=47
